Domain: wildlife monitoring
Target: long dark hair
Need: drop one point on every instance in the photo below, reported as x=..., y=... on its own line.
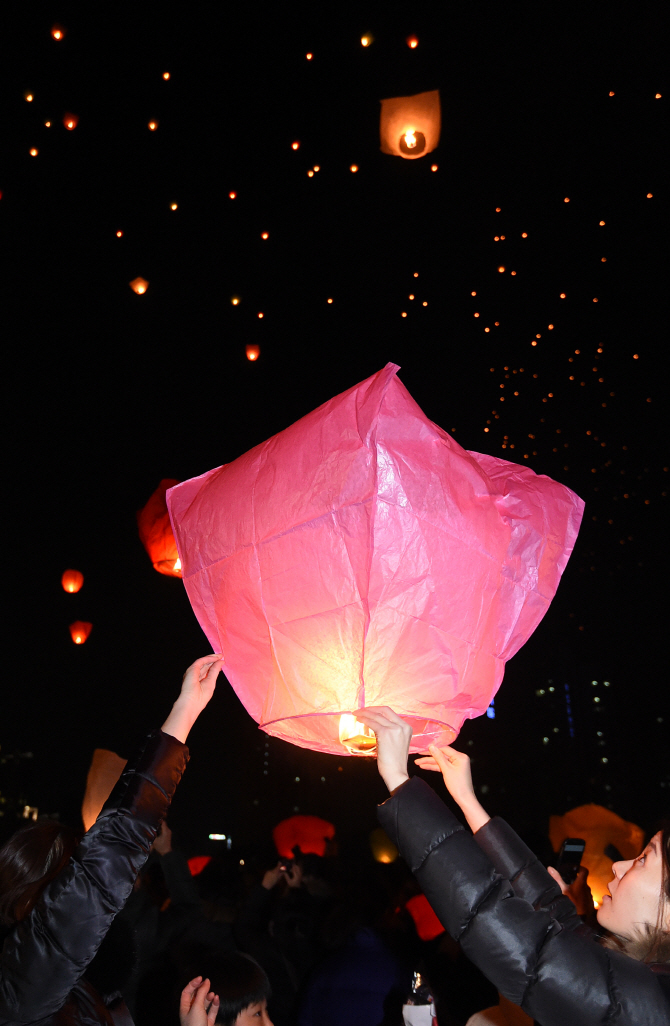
x=29, y=860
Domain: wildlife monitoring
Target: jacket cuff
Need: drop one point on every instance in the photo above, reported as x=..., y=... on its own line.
x=417, y=821
x=148, y=783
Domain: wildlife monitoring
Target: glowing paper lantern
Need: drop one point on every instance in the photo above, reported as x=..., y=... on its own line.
x=428, y=926
x=79, y=631
x=309, y=833
x=383, y=848
x=253, y=352
x=72, y=581
x=153, y=525
x=600, y=828
x=197, y=863
x=105, y=769
x=71, y=121
x=362, y=557
x=139, y=285
x=410, y=125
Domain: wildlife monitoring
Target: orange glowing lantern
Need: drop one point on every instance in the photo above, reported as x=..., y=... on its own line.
x=308, y=833
x=152, y=126
x=155, y=531
x=253, y=352
x=412, y=42
x=139, y=286
x=79, y=631
x=383, y=848
x=72, y=581
x=197, y=863
x=362, y=557
x=602, y=830
x=295, y=145
x=409, y=126
x=34, y=152
x=71, y=121
x=57, y=32
x=105, y=769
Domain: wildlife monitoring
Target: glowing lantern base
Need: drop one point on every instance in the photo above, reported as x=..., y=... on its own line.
x=362, y=557
x=153, y=524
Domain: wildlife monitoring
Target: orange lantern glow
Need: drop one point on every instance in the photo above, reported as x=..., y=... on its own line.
x=600, y=828
x=152, y=126
x=29, y=97
x=253, y=352
x=57, y=32
x=295, y=145
x=34, y=152
x=72, y=581
x=409, y=126
x=71, y=121
x=354, y=168
x=155, y=531
x=232, y=195
x=139, y=286
x=119, y=235
x=308, y=833
x=166, y=76
x=366, y=40
x=383, y=848
x=79, y=631
x=412, y=42
x=105, y=769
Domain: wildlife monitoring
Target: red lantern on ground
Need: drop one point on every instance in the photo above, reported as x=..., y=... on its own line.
x=79, y=631
x=600, y=828
x=155, y=531
x=105, y=769
x=72, y=581
x=362, y=557
x=409, y=126
x=309, y=833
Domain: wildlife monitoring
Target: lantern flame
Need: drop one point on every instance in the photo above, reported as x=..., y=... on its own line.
x=139, y=286
x=177, y=565
x=410, y=139
x=72, y=581
x=356, y=737
x=79, y=631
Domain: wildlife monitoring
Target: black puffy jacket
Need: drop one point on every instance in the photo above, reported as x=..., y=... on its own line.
x=45, y=957
x=491, y=894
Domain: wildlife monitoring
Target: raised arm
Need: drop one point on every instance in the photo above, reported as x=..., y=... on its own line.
x=47, y=953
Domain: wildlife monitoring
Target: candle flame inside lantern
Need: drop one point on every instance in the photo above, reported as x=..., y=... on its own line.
x=410, y=139
x=356, y=737
x=177, y=565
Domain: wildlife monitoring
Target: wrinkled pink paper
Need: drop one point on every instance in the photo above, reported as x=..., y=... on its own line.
x=362, y=557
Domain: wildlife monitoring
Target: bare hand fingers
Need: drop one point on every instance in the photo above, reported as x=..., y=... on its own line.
x=187, y=993
x=554, y=873
x=212, y=1011
x=427, y=762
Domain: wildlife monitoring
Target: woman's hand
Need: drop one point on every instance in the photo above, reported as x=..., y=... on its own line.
x=578, y=892
x=455, y=769
x=198, y=1005
x=393, y=738
x=196, y=690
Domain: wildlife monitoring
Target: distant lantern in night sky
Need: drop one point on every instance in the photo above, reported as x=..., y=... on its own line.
x=173, y=206
x=152, y=126
x=354, y=168
x=232, y=195
x=71, y=121
x=265, y=235
x=139, y=286
x=293, y=582
x=34, y=152
x=412, y=42
x=409, y=126
x=166, y=75
x=72, y=581
x=29, y=97
x=367, y=39
x=155, y=531
x=57, y=32
x=235, y=300
x=253, y=352
x=79, y=631
x=295, y=145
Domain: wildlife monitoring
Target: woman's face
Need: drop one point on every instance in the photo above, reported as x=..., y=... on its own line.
x=634, y=892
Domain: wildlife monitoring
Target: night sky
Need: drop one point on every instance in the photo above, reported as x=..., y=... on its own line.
x=552, y=142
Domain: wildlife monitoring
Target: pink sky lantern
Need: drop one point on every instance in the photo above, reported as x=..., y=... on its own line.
x=362, y=557
x=309, y=833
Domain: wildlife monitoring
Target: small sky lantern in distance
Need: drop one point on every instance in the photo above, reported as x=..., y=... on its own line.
x=166, y=75
x=295, y=145
x=155, y=531
x=28, y=97
x=173, y=206
x=34, y=152
x=265, y=235
x=235, y=300
x=409, y=126
x=152, y=126
x=232, y=195
x=139, y=286
x=71, y=121
x=354, y=168
x=367, y=39
x=57, y=32
x=253, y=352
x=79, y=631
x=383, y=848
x=412, y=42
x=72, y=581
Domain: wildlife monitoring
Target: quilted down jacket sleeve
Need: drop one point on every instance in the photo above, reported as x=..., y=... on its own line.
x=46, y=954
x=537, y=959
